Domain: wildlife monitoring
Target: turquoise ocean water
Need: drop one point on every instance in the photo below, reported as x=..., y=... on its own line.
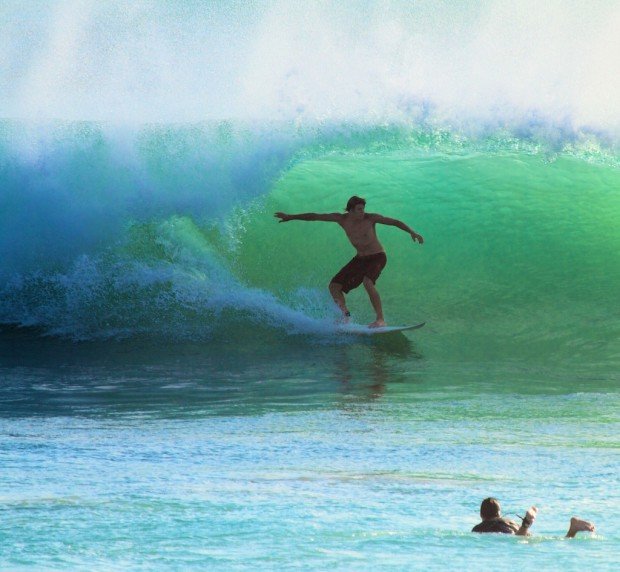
x=172, y=393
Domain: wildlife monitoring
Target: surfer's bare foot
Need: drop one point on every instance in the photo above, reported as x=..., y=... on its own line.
x=377, y=324
x=579, y=525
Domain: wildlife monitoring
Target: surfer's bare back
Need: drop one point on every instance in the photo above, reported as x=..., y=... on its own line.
x=367, y=264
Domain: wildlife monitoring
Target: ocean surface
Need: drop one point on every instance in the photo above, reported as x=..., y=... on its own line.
x=173, y=393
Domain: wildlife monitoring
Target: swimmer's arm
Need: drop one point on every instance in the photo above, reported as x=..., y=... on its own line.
x=522, y=530
x=328, y=217
x=379, y=219
x=530, y=517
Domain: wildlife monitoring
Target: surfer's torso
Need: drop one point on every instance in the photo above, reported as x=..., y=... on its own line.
x=361, y=233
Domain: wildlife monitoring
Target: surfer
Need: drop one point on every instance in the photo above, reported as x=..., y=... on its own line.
x=492, y=521
x=366, y=266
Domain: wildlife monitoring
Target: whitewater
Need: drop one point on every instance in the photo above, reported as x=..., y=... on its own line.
x=172, y=392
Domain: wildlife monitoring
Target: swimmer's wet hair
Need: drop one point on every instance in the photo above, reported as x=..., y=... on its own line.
x=489, y=508
x=354, y=200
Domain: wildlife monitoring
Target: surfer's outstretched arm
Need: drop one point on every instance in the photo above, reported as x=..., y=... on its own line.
x=398, y=224
x=328, y=217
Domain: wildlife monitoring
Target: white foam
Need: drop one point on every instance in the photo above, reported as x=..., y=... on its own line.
x=182, y=294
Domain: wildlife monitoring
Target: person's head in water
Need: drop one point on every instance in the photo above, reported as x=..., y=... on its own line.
x=489, y=508
x=356, y=205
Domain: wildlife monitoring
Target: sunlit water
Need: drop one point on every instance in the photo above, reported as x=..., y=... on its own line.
x=348, y=456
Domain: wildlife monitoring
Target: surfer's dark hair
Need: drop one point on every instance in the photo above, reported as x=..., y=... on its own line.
x=489, y=508
x=354, y=200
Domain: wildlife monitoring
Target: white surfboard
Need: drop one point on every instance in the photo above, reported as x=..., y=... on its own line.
x=362, y=330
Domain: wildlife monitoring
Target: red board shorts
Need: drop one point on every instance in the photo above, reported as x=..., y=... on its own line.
x=352, y=274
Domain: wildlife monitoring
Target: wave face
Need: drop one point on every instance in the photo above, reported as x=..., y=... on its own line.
x=141, y=164
x=169, y=231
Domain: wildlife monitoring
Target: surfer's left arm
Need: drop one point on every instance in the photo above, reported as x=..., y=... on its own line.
x=398, y=224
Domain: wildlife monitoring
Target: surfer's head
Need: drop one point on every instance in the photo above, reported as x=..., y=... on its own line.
x=489, y=508
x=353, y=201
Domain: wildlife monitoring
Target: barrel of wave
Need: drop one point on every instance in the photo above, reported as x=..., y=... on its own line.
x=519, y=251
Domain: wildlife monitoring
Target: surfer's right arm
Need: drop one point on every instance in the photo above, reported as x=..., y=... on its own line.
x=328, y=217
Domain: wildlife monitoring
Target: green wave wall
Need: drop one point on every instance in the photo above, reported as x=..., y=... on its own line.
x=522, y=254
x=169, y=231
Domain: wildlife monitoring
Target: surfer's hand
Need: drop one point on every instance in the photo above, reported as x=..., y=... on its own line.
x=530, y=517
x=415, y=236
x=282, y=216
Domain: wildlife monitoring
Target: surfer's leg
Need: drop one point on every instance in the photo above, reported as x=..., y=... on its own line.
x=375, y=300
x=335, y=290
x=578, y=525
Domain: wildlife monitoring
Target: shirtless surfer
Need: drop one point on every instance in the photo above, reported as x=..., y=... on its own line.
x=493, y=521
x=367, y=264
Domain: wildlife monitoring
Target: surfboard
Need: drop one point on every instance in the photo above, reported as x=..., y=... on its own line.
x=363, y=330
